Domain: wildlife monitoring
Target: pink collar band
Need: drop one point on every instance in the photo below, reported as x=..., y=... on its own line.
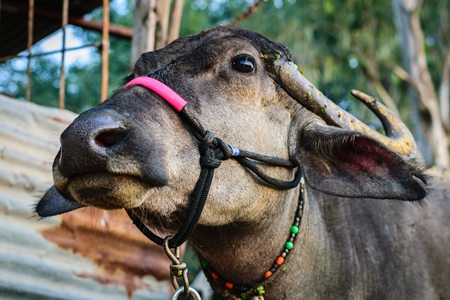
x=161, y=89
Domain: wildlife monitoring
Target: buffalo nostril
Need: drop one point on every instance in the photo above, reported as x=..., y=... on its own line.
x=110, y=137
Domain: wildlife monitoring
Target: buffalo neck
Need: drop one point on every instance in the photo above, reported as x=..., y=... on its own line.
x=241, y=253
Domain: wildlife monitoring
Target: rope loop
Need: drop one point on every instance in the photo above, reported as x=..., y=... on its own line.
x=225, y=149
x=210, y=162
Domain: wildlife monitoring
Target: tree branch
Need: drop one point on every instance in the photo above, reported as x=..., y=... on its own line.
x=402, y=74
x=373, y=76
x=250, y=11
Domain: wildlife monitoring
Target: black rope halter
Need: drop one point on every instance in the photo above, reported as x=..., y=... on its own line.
x=213, y=151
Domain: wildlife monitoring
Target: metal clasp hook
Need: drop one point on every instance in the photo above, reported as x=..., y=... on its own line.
x=178, y=269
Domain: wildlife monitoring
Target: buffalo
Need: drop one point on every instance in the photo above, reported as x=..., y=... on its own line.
x=219, y=139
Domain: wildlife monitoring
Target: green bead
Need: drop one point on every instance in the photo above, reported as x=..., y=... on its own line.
x=260, y=290
x=289, y=245
x=294, y=229
x=204, y=264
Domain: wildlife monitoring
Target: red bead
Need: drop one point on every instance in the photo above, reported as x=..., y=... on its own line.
x=267, y=274
x=279, y=261
x=215, y=275
x=229, y=285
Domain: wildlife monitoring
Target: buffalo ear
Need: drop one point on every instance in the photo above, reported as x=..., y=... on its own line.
x=350, y=164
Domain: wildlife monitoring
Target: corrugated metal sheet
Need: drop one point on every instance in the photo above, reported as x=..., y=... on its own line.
x=86, y=254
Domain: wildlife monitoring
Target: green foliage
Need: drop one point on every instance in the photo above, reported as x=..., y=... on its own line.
x=331, y=40
x=341, y=45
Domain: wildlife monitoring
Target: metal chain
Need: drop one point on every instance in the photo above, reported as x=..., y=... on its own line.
x=195, y=295
x=179, y=269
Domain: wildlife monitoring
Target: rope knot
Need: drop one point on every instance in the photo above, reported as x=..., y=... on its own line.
x=213, y=150
x=210, y=162
x=208, y=158
x=225, y=150
x=207, y=142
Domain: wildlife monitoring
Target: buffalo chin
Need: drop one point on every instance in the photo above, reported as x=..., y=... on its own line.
x=107, y=191
x=101, y=190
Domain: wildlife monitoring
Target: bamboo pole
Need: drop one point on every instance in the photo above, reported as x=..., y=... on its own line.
x=62, y=80
x=29, y=44
x=105, y=50
x=175, y=20
x=162, y=23
x=151, y=26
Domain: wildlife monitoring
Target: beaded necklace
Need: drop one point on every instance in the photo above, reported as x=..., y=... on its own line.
x=257, y=289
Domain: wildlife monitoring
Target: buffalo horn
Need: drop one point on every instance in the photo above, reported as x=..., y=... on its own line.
x=398, y=137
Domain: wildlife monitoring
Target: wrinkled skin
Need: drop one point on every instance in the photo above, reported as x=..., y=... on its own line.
x=134, y=152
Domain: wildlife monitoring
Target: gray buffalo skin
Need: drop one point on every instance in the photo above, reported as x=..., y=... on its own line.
x=134, y=152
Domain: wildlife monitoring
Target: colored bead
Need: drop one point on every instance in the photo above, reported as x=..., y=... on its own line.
x=289, y=245
x=279, y=261
x=241, y=289
x=260, y=290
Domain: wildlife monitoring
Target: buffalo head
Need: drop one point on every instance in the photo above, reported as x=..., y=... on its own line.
x=133, y=151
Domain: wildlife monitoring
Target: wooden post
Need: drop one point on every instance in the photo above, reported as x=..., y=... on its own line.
x=105, y=50
x=175, y=20
x=162, y=23
x=29, y=44
x=62, y=80
x=144, y=25
x=151, y=28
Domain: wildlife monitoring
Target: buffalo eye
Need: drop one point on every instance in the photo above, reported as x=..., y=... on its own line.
x=244, y=64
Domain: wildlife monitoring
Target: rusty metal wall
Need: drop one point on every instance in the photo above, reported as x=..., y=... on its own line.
x=86, y=254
